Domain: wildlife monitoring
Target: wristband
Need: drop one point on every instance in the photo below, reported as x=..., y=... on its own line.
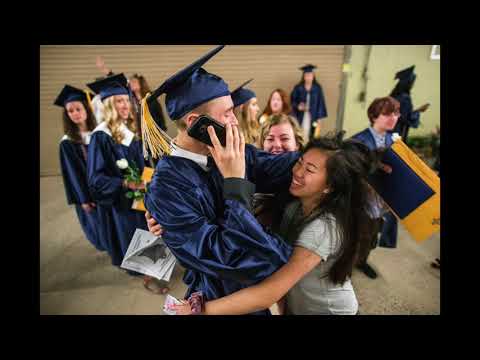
x=197, y=302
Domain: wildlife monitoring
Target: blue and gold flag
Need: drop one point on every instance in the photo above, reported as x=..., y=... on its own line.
x=411, y=190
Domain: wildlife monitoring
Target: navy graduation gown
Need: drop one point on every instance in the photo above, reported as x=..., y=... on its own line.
x=318, y=109
x=218, y=241
x=73, y=164
x=105, y=179
x=388, y=238
x=408, y=118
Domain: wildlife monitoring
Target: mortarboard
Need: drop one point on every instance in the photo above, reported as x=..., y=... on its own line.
x=308, y=68
x=191, y=87
x=187, y=89
x=70, y=93
x=406, y=74
x=241, y=95
x=109, y=86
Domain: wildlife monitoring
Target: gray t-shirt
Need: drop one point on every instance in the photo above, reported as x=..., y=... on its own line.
x=315, y=294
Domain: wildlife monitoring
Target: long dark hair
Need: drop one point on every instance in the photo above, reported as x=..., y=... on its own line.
x=71, y=129
x=403, y=87
x=144, y=87
x=348, y=165
x=302, y=80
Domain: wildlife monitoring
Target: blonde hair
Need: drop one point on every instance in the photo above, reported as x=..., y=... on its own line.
x=114, y=122
x=273, y=120
x=249, y=126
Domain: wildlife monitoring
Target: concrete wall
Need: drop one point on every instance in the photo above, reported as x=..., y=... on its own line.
x=384, y=61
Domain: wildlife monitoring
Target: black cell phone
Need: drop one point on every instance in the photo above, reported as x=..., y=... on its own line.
x=198, y=130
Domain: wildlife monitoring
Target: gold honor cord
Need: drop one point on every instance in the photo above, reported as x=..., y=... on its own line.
x=154, y=138
x=87, y=93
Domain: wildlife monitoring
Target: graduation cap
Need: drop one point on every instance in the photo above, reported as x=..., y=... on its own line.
x=308, y=68
x=185, y=90
x=70, y=93
x=191, y=87
x=109, y=86
x=241, y=95
x=406, y=74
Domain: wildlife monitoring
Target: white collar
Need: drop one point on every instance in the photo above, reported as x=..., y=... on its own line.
x=127, y=134
x=84, y=135
x=376, y=133
x=201, y=160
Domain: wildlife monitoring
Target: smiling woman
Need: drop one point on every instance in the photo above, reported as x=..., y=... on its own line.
x=281, y=133
x=115, y=139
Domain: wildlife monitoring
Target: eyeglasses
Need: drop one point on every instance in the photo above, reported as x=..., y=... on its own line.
x=396, y=113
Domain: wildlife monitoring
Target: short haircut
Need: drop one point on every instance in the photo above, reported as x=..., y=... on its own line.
x=382, y=106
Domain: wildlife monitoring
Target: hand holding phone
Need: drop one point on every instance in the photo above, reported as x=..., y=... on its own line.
x=198, y=130
x=230, y=159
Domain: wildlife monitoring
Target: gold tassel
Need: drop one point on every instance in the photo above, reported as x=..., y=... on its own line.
x=87, y=93
x=154, y=138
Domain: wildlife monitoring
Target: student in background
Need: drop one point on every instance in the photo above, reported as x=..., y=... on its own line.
x=140, y=88
x=115, y=139
x=408, y=116
x=383, y=114
x=277, y=104
x=78, y=123
x=245, y=108
x=308, y=102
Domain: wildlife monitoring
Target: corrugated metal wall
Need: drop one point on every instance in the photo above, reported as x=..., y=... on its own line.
x=271, y=67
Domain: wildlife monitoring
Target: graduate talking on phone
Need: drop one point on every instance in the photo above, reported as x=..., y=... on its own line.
x=201, y=195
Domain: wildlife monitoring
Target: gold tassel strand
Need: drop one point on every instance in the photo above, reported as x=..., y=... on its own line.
x=154, y=138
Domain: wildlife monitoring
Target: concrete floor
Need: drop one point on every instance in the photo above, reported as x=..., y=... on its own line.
x=77, y=279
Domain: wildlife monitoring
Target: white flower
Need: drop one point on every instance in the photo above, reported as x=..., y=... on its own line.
x=396, y=137
x=122, y=164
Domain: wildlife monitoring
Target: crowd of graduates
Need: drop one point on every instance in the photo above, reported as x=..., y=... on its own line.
x=281, y=214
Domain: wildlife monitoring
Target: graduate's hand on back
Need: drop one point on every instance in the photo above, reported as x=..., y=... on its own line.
x=88, y=207
x=230, y=159
x=387, y=168
x=154, y=227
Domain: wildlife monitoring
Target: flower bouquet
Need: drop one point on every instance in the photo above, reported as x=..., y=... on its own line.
x=132, y=175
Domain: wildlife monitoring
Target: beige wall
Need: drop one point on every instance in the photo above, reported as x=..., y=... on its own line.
x=270, y=66
x=384, y=62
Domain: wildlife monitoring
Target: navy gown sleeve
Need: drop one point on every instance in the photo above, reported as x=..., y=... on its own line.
x=270, y=173
x=104, y=179
x=408, y=116
x=226, y=245
x=74, y=174
x=321, y=107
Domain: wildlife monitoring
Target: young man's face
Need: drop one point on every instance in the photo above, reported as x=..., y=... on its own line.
x=221, y=109
x=386, y=122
